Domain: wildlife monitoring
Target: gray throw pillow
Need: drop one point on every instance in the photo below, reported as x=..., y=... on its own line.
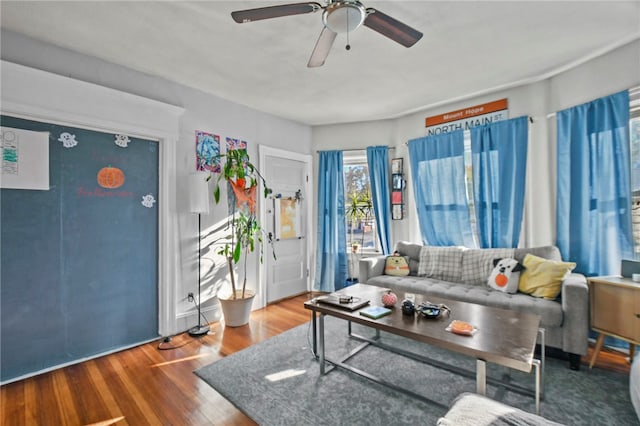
x=442, y=263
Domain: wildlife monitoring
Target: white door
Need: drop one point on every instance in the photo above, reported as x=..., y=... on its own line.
x=286, y=218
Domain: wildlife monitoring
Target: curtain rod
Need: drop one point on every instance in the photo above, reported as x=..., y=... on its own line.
x=353, y=149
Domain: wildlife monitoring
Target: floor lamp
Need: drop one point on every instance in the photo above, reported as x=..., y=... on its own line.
x=199, y=203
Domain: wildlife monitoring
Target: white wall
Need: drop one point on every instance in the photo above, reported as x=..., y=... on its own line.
x=201, y=112
x=604, y=75
x=617, y=70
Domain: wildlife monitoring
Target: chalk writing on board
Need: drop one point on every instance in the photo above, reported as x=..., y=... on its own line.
x=109, y=158
x=99, y=192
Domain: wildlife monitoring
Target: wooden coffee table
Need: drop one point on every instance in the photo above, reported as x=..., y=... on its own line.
x=503, y=337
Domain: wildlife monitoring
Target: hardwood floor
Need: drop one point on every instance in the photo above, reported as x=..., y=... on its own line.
x=151, y=384
x=154, y=384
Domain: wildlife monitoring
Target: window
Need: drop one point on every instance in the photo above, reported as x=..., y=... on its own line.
x=361, y=223
x=468, y=176
x=634, y=139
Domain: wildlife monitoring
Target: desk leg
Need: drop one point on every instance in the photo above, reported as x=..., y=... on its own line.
x=315, y=334
x=536, y=365
x=321, y=343
x=596, y=351
x=542, y=358
x=481, y=377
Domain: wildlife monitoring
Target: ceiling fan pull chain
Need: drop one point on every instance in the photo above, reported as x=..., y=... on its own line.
x=347, y=47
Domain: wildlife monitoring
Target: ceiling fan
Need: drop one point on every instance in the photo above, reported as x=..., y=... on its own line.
x=338, y=16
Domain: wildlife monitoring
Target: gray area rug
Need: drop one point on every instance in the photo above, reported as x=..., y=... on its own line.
x=304, y=397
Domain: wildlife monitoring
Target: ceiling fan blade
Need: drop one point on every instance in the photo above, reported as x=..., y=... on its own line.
x=392, y=28
x=323, y=46
x=249, y=15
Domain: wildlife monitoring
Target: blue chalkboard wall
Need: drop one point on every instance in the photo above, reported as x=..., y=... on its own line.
x=79, y=262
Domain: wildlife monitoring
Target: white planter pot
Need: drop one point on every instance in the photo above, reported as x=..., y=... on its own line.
x=236, y=311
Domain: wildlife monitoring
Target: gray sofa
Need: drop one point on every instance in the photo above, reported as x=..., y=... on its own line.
x=565, y=320
x=476, y=410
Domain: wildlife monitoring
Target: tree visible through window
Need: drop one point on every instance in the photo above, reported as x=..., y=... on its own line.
x=361, y=224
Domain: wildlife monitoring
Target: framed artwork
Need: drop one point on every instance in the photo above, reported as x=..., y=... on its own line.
x=207, y=152
x=396, y=165
x=396, y=212
x=396, y=197
x=235, y=144
x=397, y=189
x=397, y=182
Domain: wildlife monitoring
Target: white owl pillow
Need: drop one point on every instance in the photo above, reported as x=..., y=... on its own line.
x=505, y=275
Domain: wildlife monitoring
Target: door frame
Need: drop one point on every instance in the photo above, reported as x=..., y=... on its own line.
x=263, y=152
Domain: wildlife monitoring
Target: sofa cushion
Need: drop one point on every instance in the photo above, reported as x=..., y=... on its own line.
x=409, y=249
x=547, y=252
x=477, y=410
x=442, y=263
x=542, y=277
x=412, y=250
x=550, y=311
x=477, y=264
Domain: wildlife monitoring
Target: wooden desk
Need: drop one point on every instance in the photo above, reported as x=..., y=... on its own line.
x=615, y=311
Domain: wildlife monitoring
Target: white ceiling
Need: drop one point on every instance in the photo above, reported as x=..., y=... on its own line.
x=469, y=47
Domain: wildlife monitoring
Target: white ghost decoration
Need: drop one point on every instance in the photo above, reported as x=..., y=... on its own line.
x=68, y=140
x=122, y=140
x=148, y=200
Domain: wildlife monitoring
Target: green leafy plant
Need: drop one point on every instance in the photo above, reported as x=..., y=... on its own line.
x=359, y=208
x=246, y=235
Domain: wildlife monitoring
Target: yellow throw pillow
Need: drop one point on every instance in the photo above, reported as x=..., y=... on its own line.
x=397, y=265
x=543, y=277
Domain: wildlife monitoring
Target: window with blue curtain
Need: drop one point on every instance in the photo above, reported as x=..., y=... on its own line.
x=378, y=162
x=593, y=193
x=499, y=160
x=331, y=245
x=438, y=177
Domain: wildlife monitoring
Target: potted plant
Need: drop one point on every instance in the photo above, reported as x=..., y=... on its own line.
x=242, y=179
x=359, y=209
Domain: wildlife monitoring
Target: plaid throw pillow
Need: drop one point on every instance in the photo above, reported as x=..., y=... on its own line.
x=442, y=263
x=477, y=264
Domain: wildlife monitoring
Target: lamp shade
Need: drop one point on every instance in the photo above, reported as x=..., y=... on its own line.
x=199, y=193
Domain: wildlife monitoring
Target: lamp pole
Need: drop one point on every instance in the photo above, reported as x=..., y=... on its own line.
x=199, y=200
x=199, y=329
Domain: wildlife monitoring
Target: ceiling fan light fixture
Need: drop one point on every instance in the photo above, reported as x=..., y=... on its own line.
x=338, y=16
x=344, y=16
